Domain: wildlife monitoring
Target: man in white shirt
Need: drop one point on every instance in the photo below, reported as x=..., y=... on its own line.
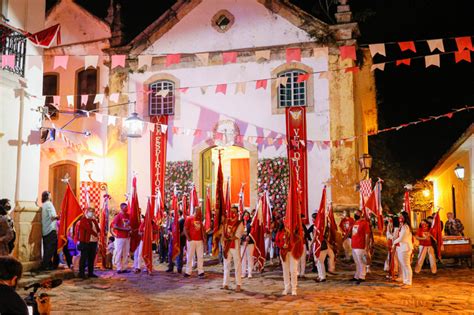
x=49, y=231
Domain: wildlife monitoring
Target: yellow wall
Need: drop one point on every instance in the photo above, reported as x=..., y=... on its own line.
x=442, y=185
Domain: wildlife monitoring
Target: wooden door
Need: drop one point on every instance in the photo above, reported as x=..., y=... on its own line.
x=207, y=176
x=57, y=188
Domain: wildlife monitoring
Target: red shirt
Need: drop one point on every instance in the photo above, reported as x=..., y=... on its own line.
x=420, y=233
x=359, y=231
x=122, y=220
x=194, y=228
x=85, y=229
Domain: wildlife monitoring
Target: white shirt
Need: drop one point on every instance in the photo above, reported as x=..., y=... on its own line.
x=405, y=239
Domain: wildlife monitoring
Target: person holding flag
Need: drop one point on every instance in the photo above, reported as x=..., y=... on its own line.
x=424, y=236
x=88, y=235
x=231, y=235
x=346, y=226
x=122, y=229
x=247, y=246
x=360, y=243
x=148, y=228
x=194, y=232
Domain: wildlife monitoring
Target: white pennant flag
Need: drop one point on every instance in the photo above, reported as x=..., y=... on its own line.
x=144, y=60
x=380, y=66
x=151, y=127
x=204, y=58
x=240, y=88
x=436, y=44
x=262, y=54
x=164, y=128
x=114, y=97
x=91, y=61
x=321, y=52
x=281, y=81
x=98, y=117
x=432, y=60
x=112, y=120
x=203, y=89
x=163, y=93
x=99, y=98
x=70, y=100
x=377, y=49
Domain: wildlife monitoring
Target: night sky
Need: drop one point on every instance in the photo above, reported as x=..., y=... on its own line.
x=404, y=93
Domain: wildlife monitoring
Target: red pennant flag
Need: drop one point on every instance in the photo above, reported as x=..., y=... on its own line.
x=403, y=62
x=257, y=232
x=207, y=225
x=173, y=59
x=348, y=52
x=449, y=115
x=302, y=78
x=462, y=55
x=229, y=57
x=407, y=46
x=147, y=249
x=45, y=38
x=293, y=54
x=183, y=89
x=134, y=217
x=70, y=212
x=436, y=232
x=406, y=203
x=104, y=229
x=320, y=224
x=464, y=43
x=185, y=208
x=219, y=209
x=221, y=88
x=261, y=84
x=332, y=227
x=175, y=229
x=197, y=132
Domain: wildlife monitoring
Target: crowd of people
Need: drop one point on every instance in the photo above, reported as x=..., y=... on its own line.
x=187, y=246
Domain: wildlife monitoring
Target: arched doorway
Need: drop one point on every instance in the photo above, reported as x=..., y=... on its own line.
x=239, y=165
x=57, y=187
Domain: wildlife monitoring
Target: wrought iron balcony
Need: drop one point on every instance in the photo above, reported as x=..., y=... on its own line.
x=13, y=43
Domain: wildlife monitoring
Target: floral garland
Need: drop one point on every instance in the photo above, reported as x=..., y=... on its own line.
x=179, y=172
x=273, y=173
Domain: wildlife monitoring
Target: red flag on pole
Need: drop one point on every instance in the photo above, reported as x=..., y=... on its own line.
x=241, y=201
x=70, y=212
x=208, y=226
x=147, y=251
x=175, y=229
x=437, y=233
x=219, y=210
x=46, y=37
x=185, y=206
x=267, y=212
x=332, y=228
x=320, y=225
x=159, y=208
x=104, y=228
x=134, y=217
x=193, y=201
x=293, y=224
x=257, y=232
x=227, y=198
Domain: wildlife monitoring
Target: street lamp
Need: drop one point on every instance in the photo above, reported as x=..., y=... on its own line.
x=365, y=163
x=426, y=193
x=459, y=171
x=134, y=126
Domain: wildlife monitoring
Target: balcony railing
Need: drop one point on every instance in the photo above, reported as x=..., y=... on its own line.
x=13, y=43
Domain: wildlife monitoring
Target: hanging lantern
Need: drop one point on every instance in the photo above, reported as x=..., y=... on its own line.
x=459, y=171
x=134, y=126
x=365, y=162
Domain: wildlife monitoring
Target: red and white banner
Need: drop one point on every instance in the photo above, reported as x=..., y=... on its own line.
x=296, y=137
x=158, y=142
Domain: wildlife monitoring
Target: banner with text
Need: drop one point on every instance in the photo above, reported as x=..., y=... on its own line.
x=158, y=142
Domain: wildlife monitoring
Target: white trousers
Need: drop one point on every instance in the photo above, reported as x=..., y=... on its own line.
x=347, y=248
x=361, y=267
x=247, y=259
x=302, y=263
x=194, y=247
x=138, y=261
x=290, y=273
x=269, y=247
x=320, y=264
x=421, y=258
x=233, y=255
x=121, y=253
x=404, y=258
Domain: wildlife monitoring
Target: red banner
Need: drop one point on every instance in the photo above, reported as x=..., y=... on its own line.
x=296, y=136
x=158, y=141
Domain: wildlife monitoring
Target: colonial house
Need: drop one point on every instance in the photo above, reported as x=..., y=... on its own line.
x=453, y=182
x=213, y=78
x=21, y=76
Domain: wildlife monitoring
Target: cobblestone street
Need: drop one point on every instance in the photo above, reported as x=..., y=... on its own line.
x=450, y=291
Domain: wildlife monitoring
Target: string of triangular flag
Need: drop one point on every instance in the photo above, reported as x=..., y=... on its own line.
x=278, y=140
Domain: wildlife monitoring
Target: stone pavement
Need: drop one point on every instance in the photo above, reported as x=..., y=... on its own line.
x=450, y=291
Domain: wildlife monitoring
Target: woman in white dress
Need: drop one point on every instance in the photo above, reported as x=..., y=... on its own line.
x=404, y=247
